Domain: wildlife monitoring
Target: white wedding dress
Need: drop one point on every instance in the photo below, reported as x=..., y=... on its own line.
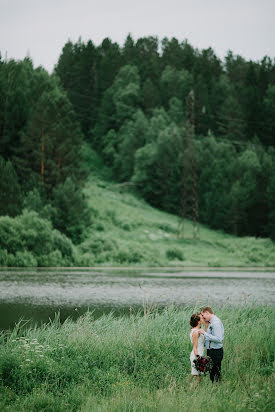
x=200, y=351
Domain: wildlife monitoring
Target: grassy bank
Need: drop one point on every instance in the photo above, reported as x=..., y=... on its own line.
x=126, y=230
x=136, y=363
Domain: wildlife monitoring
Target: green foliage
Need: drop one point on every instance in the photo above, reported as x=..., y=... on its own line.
x=174, y=254
x=132, y=136
x=15, y=103
x=72, y=215
x=136, y=363
x=119, y=103
x=157, y=166
x=129, y=103
x=126, y=92
x=271, y=206
x=76, y=69
x=52, y=141
x=175, y=83
x=29, y=240
x=268, y=109
x=10, y=190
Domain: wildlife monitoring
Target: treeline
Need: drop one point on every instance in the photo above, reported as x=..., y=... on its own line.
x=129, y=104
x=234, y=99
x=40, y=169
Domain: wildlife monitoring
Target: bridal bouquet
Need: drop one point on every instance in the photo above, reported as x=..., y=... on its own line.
x=203, y=364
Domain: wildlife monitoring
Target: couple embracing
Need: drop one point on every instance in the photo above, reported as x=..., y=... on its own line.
x=211, y=338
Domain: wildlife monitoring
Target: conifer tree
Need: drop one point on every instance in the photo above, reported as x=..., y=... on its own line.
x=10, y=191
x=50, y=145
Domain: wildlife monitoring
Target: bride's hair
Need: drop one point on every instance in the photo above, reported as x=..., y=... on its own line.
x=194, y=321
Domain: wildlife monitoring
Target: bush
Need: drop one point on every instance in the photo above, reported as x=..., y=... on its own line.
x=128, y=255
x=86, y=259
x=63, y=244
x=23, y=259
x=136, y=253
x=97, y=245
x=4, y=258
x=174, y=254
x=29, y=240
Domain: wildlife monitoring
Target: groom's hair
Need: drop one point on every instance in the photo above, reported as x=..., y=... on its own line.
x=207, y=309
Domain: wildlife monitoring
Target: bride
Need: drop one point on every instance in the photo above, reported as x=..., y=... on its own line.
x=197, y=340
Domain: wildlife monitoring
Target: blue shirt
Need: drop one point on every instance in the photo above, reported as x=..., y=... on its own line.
x=214, y=335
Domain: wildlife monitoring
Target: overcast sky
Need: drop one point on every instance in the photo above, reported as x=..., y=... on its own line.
x=40, y=28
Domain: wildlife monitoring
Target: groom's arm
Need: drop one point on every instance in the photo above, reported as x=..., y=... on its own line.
x=217, y=334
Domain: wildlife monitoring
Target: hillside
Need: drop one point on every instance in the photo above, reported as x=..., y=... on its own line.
x=126, y=230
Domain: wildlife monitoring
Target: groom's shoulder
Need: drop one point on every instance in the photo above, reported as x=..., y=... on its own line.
x=217, y=319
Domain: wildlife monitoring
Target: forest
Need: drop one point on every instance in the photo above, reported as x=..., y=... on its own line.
x=129, y=104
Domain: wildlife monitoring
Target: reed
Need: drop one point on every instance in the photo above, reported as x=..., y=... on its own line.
x=138, y=362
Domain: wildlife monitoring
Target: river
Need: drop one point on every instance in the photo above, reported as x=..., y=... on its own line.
x=36, y=295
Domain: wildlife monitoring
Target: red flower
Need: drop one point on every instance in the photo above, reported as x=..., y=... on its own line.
x=203, y=364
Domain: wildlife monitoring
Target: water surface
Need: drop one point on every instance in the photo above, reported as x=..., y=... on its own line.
x=38, y=294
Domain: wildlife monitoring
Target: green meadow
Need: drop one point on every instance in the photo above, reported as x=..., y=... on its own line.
x=136, y=363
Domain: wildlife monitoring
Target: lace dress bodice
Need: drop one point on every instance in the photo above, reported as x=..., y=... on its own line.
x=200, y=342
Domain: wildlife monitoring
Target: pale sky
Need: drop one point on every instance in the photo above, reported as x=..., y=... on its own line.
x=40, y=28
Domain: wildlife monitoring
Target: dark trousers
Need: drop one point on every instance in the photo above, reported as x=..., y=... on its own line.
x=216, y=355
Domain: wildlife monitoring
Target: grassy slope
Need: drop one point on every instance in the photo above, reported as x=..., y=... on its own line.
x=126, y=230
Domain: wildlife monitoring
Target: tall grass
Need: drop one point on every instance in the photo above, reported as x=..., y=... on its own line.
x=136, y=363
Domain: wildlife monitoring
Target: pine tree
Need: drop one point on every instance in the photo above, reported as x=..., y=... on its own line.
x=50, y=145
x=10, y=191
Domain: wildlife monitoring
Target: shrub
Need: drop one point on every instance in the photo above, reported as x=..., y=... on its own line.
x=136, y=253
x=23, y=259
x=126, y=255
x=54, y=258
x=4, y=258
x=36, y=234
x=98, y=244
x=10, y=234
x=99, y=227
x=63, y=244
x=174, y=254
x=86, y=259
x=29, y=240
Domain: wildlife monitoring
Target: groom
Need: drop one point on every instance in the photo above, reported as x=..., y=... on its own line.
x=213, y=341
